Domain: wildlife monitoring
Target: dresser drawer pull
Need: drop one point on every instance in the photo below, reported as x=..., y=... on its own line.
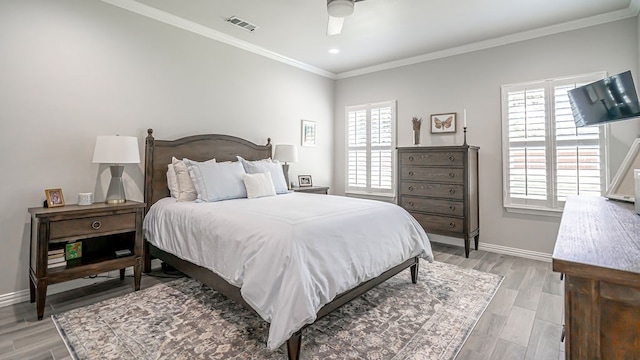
x=452, y=225
x=451, y=158
x=452, y=191
x=452, y=207
x=410, y=188
x=452, y=175
x=410, y=158
x=410, y=203
x=96, y=225
x=410, y=173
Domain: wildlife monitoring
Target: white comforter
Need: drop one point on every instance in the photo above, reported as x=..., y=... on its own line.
x=289, y=254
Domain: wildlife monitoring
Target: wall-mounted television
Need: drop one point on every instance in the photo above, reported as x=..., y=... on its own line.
x=611, y=99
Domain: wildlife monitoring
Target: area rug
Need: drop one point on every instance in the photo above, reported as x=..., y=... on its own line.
x=184, y=319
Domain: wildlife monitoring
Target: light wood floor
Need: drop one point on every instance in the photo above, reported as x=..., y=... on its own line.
x=523, y=321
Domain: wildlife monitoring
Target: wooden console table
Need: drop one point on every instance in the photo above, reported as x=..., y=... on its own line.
x=598, y=250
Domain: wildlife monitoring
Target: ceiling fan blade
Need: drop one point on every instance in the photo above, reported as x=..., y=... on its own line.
x=334, y=25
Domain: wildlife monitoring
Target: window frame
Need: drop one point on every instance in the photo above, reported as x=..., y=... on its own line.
x=368, y=190
x=551, y=206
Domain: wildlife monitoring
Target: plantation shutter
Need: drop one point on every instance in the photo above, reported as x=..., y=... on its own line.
x=370, y=135
x=546, y=158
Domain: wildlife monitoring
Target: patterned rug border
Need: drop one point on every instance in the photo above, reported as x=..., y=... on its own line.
x=476, y=314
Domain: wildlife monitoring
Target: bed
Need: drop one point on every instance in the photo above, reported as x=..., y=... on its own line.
x=296, y=247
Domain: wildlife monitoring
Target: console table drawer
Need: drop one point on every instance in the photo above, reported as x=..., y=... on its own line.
x=449, y=175
x=92, y=225
x=445, y=207
x=439, y=223
x=433, y=158
x=433, y=189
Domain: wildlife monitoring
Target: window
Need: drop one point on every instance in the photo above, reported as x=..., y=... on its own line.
x=370, y=145
x=545, y=157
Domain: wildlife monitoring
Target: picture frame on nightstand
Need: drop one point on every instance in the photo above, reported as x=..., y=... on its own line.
x=305, y=181
x=54, y=197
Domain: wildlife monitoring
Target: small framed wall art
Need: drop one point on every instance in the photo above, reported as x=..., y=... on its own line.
x=443, y=123
x=54, y=197
x=304, y=181
x=308, y=133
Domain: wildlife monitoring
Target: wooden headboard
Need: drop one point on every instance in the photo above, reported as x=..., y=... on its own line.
x=158, y=154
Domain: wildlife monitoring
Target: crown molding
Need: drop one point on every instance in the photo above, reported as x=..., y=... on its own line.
x=184, y=24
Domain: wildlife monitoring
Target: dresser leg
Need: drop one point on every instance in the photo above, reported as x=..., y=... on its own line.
x=41, y=296
x=467, y=243
x=32, y=291
x=475, y=239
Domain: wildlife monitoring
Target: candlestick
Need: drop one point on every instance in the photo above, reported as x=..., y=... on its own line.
x=465, y=135
x=465, y=118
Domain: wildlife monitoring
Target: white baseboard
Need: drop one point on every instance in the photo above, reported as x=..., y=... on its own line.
x=535, y=255
x=23, y=295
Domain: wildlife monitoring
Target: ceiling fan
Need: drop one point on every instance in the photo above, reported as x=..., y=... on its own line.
x=338, y=10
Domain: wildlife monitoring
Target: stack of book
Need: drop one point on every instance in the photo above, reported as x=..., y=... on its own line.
x=56, y=259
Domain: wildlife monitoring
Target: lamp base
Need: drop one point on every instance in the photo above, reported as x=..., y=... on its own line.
x=285, y=169
x=115, y=194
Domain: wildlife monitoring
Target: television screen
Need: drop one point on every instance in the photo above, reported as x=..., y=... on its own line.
x=610, y=99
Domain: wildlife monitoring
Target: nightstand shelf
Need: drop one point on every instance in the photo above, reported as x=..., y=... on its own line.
x=312, y=189
x=101, y=228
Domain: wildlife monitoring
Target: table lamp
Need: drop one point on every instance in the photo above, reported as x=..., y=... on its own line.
x=286, y=153
x=116, y=150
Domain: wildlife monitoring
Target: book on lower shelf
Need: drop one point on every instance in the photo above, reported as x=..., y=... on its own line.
x=73, y=250
x=57, y=264
x=56, y=260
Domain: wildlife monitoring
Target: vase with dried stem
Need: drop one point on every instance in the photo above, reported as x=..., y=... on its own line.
x=417, y=122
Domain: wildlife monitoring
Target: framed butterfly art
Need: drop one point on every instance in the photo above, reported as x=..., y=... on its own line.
x=443, y=123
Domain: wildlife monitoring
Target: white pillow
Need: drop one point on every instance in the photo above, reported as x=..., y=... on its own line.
x=172, y=182
x=258, y=185
x=217, y=181
x=270, y=166
x=186, y=189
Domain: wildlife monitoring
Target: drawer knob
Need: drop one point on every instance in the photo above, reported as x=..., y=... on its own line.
x=410, y=158
x=410, y=173
x=410, y=188
x=452, y=225
x=452, y=207
x=411, y=203
x=96, y=225
x=452, y=175
x=452, y=191
x=451, y=158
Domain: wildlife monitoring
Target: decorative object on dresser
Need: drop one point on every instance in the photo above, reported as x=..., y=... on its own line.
x=312, y=189
x=305, y=181
x=438, y=185
x=77, y=241
x=286, y=154
x=598, y=251
x=443, y=123
x=85, y=198
x=54, y=198
x=309, y=131
x=116, y=150
x=416, y=122
x=622, y=187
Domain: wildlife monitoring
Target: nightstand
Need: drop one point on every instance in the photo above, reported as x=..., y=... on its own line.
x=102, y=229
x=312, y=189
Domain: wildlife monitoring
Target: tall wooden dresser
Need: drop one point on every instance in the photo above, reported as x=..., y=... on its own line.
x=438, y=185
x=598, y=250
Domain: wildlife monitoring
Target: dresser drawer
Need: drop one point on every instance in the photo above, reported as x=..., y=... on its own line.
x=436, y=224
x=433, y=158
x=444, y=207
x=92, y=225
x=448, y=191
x=447, y=175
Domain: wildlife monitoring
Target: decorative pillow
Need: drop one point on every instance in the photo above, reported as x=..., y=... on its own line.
x=270, y=166
x=186, y=189
x=217, y=181
x=258, y=185
x=172, y=182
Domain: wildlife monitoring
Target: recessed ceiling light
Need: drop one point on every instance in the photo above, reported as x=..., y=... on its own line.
x=334, y=51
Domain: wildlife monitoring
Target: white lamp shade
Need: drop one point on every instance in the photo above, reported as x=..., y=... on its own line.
x=340, y=8
x=114, y=149
x=286, y=153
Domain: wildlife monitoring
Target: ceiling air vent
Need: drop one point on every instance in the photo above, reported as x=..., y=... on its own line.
x=241, y=23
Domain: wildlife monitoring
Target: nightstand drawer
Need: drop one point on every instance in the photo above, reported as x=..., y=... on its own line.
x=438, y=223
x=448, y=175
x=92, y=225
x=432, y=189
x=433, y=158
x=445, y=207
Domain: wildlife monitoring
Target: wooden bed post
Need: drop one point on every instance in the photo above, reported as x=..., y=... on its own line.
x=293, y=345
x=414, y=272
x=148, y=193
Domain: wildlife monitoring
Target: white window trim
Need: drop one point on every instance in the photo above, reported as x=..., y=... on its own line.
x=383, y=194
x=553, y=208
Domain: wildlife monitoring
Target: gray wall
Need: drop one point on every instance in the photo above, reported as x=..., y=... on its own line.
x=71, y=70
x=473, y=81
